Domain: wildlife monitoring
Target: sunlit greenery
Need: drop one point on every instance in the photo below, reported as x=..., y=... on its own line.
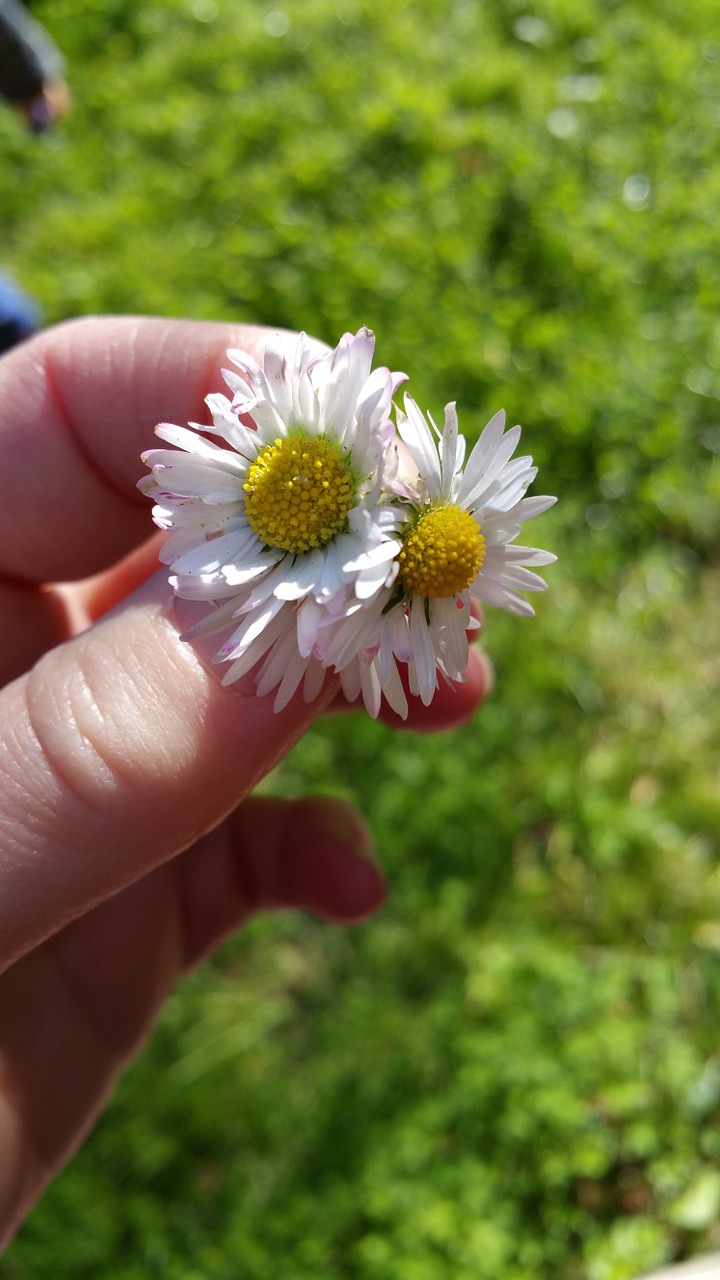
x=513, y=1072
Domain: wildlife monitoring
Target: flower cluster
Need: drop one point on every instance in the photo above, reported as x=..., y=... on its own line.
x=329, y=530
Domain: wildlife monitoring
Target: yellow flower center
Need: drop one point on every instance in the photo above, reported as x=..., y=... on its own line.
x=298, y=493
x=442, y=553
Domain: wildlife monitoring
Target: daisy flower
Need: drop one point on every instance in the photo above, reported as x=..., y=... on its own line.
x=458, y=525
x=281, y=529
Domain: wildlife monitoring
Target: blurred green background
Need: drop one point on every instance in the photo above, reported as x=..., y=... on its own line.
x=513, y=1071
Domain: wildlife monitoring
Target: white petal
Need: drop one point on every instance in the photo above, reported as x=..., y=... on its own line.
x=494, y=593
x=454, y=637
x=294, y=671
x=191, y=442
x=254, y=652
x=284, y=652
x=252, y=626
x=332, y=578
x=314, y=681
x=227, y=425
x=374, y=402
x=358, y=558
x=394, y=693
x=529, y=555
x=350, y=681
x=530, y=507
x=506, y=492
x=423, y=655
x=371, y=691
x=310, y=617
x=299, y=576
x=356, y=631
x=370, y=580
x=201, y=587
x=214, y=554
x=483, y=451
x=345, y=373
x=515, y=577
x=490, y=461
x=208, y=485
x=186, y=536
x=418, y=438
x=213, y=623
x=251, y=567
x=449, y=448
x=397, y=623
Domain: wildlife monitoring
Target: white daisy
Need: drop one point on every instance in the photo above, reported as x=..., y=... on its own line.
x=458, y=529
x=283, y=532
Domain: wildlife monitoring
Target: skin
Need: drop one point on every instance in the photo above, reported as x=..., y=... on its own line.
x=128, y=846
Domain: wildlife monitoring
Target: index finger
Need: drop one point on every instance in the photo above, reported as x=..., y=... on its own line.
x=78, y=404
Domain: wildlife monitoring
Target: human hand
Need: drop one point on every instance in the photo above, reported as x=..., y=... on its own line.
x=125, y=851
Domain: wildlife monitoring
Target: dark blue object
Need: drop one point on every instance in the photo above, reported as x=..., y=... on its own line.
x=19, y=314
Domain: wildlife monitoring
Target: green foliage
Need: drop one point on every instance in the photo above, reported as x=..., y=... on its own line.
x=512, y=1072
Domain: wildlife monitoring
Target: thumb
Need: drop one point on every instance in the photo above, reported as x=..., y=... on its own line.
x=121, y=748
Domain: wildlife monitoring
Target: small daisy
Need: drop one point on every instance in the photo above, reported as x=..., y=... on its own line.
x=458, y=529
x=282, y=529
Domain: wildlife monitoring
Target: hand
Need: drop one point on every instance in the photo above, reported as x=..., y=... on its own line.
x=125, y=851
